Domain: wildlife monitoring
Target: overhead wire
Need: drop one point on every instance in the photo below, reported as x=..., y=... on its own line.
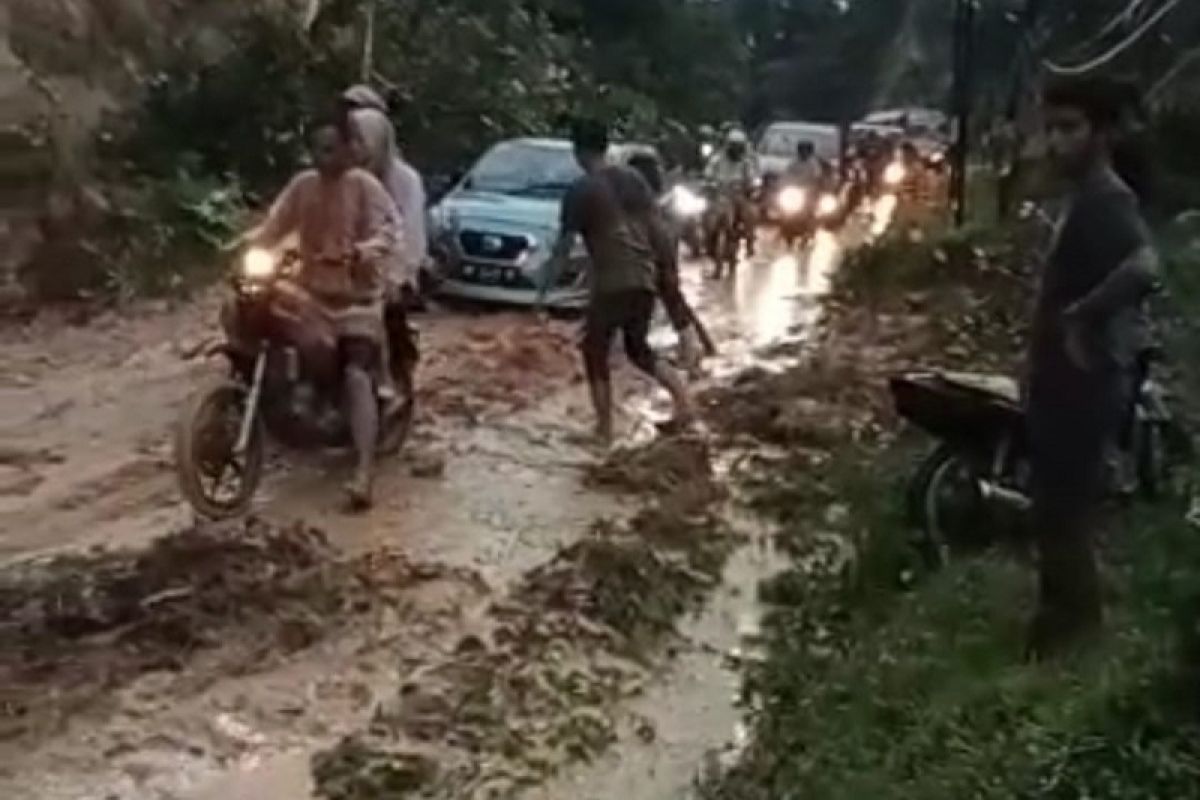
x=1105, y=58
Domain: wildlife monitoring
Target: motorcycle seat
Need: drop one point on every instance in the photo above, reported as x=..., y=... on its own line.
x=1001, y=387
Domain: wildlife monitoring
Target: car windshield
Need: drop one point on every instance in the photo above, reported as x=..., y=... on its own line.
x=525, y=168
x=781, y=142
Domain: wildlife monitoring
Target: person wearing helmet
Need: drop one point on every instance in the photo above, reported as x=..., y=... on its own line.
x=735, y=172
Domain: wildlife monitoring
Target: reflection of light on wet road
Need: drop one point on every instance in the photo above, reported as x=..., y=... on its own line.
x=764, y=298
x=883, y=210
x=823, y=258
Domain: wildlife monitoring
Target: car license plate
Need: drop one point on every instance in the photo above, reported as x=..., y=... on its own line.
x=490, y=275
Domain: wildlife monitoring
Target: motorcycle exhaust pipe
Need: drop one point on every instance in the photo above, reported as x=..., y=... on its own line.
x=994, y=494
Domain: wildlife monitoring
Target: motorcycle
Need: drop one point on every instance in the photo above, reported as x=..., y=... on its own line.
x=977, y=478
x=720, y=230
x=276, y=387
x=686, y=207
x=802, y=212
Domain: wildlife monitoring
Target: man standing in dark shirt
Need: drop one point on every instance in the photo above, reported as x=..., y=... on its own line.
x=1088, y=329
x=612, y=208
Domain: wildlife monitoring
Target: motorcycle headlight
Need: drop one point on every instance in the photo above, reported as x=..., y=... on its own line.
x=895, y=174
x=792, y=200
x=258, y=264
x=687, y=203
x=828, y=205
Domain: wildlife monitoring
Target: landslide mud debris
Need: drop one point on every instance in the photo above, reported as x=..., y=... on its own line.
x=538, y=684
x=663, y=466
x=894, y=307
x=75, y=628
x=509, y=366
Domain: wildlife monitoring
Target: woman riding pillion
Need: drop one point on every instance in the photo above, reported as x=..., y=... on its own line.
x=347, y=230
x=379, y=154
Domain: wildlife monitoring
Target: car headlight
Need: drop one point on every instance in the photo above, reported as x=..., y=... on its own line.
x=792, y=200
x=687, y=203
x=828, y=205
x=258, y=264
x=895, y=173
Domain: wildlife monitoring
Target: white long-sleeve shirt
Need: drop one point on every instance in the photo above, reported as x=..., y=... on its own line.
x=407, y=189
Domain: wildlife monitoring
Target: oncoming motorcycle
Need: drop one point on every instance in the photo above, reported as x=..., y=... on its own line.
x=720, y=229
x=687, y=206
x=283, y=381
x=802, y=211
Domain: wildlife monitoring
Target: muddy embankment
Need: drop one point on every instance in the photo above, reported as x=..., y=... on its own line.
x=70, y=70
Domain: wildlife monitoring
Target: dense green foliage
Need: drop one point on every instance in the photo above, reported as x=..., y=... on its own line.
x=230, y=106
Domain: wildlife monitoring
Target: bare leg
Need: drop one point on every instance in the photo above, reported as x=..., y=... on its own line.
x=363, y=411
x=602, y=402
x=674, y=383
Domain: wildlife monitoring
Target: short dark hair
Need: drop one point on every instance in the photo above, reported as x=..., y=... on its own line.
x=337, y=116
x=649, y=168
x=589, y=136
x=1102, y=100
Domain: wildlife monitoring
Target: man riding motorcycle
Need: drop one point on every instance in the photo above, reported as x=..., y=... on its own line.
x=735, y=172
x=347, y=230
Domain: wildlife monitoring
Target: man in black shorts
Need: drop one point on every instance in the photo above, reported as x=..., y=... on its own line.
x=613, y=209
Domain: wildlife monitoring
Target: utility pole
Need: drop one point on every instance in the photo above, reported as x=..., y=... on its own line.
x=964, y=88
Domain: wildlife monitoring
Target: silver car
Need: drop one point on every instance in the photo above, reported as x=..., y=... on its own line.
x=493, y=233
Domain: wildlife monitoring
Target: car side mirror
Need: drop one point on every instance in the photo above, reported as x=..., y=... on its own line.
x=441, y=185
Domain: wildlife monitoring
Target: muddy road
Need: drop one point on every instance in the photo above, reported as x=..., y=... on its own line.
x=212, y=663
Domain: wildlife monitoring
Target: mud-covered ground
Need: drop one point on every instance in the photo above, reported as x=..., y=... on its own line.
x=493, y=626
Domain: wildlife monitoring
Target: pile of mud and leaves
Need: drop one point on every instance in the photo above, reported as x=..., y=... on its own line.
x=662, y=467
x=538, y=683
x=956, y=302
x=509, y=363
x=202, y=603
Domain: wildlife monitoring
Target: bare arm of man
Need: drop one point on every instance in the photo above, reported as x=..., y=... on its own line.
x=570, y=224
x=283, y=218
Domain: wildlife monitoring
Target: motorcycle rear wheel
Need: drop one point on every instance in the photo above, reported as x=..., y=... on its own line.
x=204, y=442
x=946, y=508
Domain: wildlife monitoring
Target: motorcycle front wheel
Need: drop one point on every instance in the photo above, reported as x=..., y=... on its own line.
x=216, y=481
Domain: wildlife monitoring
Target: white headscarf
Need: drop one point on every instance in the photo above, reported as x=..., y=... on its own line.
x=362, y=96
x=402, y=182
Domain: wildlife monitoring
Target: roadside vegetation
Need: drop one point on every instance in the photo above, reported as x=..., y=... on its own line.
x=887, y=680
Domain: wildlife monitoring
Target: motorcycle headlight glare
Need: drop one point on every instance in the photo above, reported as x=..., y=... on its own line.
x=792, y=200
x=895, y=174
x=687, y=203
x=258, y=264
x=828, y=205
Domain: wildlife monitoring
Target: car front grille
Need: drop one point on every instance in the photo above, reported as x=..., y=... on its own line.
x=493, y=246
